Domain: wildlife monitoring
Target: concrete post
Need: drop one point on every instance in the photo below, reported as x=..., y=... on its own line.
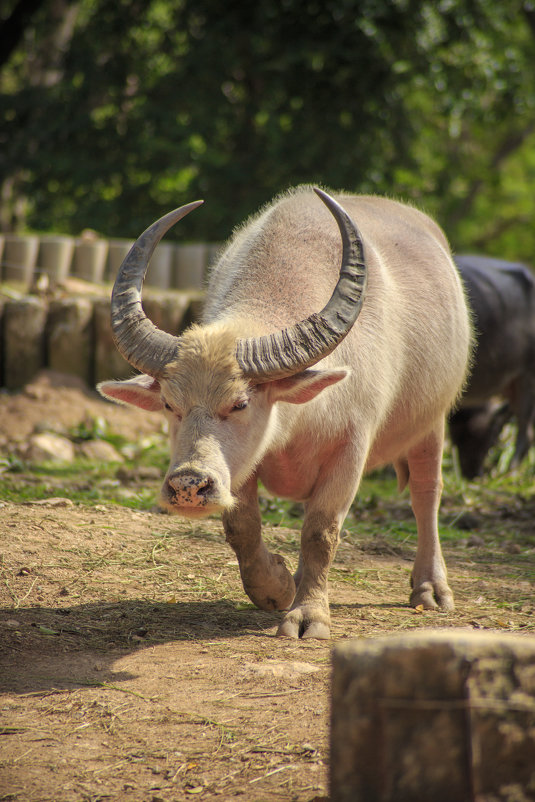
x=19, y=257
x=55, y=256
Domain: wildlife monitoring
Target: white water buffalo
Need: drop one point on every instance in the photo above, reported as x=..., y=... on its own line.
x=389, y=347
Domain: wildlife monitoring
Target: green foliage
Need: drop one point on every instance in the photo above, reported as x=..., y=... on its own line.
x=92, y=428
x=115, y=112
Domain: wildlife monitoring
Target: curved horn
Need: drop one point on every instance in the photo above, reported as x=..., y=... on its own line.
x=140, y=342
x=298, y=347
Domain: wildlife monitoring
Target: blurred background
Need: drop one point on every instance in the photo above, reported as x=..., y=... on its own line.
x=114, y=111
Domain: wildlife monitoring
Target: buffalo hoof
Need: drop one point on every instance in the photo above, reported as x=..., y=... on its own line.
x=432, y=596
x=269, y=585
x=305, y=623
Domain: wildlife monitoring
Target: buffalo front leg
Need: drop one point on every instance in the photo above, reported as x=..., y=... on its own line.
x=325, y=512
x=309, y=616
x=429, y=580
x=265, y=578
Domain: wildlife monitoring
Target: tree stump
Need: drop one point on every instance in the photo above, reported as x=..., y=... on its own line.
x=23, y=340
x=168, y=311
x=438, y=716
x=70, y=337
x=108, y=362
x=2, y=305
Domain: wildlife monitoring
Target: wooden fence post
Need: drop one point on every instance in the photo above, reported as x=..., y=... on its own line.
x=441, y=715
x=23, y=340
x=70, y=337
x=109, y=364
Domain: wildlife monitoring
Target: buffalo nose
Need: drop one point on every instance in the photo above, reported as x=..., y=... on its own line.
x=191, y=484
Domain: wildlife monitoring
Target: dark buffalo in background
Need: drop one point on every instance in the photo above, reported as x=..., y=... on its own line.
x=501, y=386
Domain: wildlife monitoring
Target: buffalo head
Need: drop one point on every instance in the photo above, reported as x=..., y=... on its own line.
x=218, y=384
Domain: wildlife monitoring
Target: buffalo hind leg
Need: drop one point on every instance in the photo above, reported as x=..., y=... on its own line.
x=265, y=578
x=429, y=580
x=522, y=393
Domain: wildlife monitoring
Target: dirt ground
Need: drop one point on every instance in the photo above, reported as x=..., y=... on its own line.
x=132, y=666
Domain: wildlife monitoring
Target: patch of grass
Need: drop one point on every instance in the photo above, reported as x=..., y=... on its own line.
x=375, y=488
x=280, y=512
x=92, y=428
x=82, y=481
x=497, y=508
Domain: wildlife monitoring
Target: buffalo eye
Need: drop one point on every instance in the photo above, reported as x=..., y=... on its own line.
x=239, y=405
x=169, y=408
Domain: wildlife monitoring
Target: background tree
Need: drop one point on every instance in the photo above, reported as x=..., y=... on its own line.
x=115, y=112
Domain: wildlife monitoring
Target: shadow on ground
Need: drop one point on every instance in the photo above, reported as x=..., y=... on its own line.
x=43, y=648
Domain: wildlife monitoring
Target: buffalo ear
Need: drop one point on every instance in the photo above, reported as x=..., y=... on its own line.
x=304, y=386
x=141, y=391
